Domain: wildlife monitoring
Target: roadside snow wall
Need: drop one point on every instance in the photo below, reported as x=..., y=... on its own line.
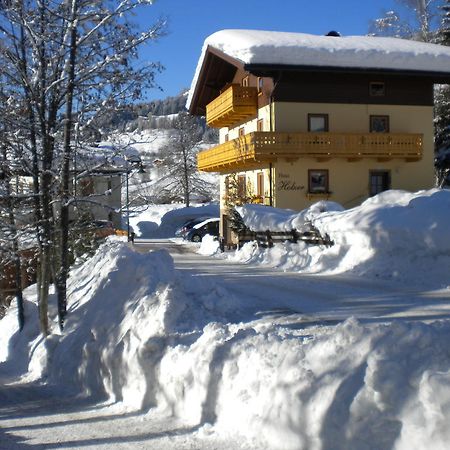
x=395, y=235
x=141, y=333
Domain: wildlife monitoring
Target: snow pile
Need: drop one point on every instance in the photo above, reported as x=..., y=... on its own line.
x=161, y=221
x=354, y=387
x=144, y=222
x=175, y=218
x=16, y=348
x=209, y=246
x=261, y=217
x=143, y=334
x=395, y=235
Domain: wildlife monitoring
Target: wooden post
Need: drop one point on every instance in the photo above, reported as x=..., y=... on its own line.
x=269, y=239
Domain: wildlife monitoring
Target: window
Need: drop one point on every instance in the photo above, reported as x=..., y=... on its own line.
x=379, y=181
x=260, y=84
x=227, y=138
x=246, y=81
x=86, y=187
x=317, y=123
x=260, y=125
x=317, y=181
x=379, y=124
x=260, y=184
x=212, y=228
x=241, y=131
x=377, y=89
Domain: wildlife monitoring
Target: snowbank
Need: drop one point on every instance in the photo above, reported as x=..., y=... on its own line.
x=175, y=218
x=161, y=221
x=395, y=235
x=209, y=246
x=143, y=334
x=261, y=217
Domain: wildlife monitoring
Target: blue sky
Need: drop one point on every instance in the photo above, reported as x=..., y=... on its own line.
x=191, y=21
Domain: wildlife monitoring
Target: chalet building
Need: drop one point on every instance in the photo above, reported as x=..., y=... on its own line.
x=304, y=118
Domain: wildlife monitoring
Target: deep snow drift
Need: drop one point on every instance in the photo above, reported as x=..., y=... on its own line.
x=141, y=333
x=163, y=220
x=396, y=235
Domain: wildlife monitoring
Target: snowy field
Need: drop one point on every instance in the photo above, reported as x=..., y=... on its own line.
x=294, y=347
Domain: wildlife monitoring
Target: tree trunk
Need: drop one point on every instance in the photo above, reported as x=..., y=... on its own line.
x=45, y=181
x=33, y=147
x=186, y=177
x=61, y=279
x=15, y=245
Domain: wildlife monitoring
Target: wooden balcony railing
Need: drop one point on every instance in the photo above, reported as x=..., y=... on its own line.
x=251, y=150
x=235, y=104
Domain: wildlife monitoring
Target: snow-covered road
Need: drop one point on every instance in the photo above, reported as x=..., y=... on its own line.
x=38, y=417
x=317, y=298
x=34, y=417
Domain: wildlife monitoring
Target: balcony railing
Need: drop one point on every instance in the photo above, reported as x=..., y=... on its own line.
x=235, y=104
x=253, y=149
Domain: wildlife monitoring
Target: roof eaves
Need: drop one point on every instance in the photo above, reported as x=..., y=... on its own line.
x=201, y=74
x=265, y=68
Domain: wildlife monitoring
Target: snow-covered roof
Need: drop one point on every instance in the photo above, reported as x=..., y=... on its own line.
x=271, y=47
x=255, y=47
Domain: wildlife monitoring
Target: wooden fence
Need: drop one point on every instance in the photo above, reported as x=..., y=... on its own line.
x=268, y=238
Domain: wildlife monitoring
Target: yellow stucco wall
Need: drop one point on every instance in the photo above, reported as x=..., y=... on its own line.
x=249, y=127
x=348, y=118
x=348, y=181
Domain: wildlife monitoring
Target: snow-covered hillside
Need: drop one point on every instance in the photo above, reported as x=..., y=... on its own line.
x=155, y=148
x=240, y=361
x=147, y=142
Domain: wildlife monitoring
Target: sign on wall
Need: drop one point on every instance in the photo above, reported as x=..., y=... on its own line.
x=285, y=183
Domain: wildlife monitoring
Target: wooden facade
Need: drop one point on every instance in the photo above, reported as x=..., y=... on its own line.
x=353, y=88
x=251, y=150
x=235, y=104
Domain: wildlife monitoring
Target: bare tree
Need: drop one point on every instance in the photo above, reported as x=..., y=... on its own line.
x=181, y=158
x=412, y=19
x=66, y=62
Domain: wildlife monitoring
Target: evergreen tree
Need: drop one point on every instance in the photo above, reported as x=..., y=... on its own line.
x=429, y=21
x=442, y=110
x=445, y=25
x=445, y=31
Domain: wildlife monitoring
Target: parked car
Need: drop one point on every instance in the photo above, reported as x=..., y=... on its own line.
x=188, y=225
x=208, y=226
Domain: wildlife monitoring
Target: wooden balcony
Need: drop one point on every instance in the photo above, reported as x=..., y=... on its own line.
x=254, y=149
x=235, y=104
